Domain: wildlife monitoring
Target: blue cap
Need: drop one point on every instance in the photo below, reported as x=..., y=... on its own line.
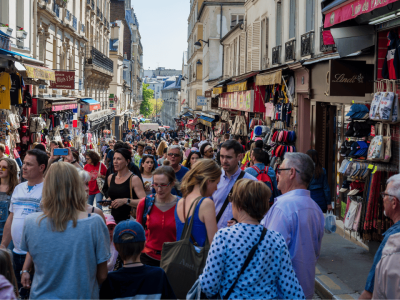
x=357, y=108
x=258, y=130
x=129, y=227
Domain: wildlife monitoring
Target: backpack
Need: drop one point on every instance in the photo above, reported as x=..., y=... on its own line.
x=148, y=204
x=264, y=177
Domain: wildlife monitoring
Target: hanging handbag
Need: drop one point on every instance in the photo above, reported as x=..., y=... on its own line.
x=387, y=141
x=351, y=215
x=100, y=181
x=374, y=109
x=181, y=261
x=376, y=148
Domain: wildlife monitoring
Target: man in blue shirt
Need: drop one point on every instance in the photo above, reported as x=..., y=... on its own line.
x=391, y=206
x=230, y=156
x=175, y=155
x=298, y=218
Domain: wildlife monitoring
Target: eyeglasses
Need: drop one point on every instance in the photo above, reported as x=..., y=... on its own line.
x=3, y=169
x=174, y=154
x=279, y=170
x=383, y=195
x=161, y=186
x=195, y=151
x=148, y=155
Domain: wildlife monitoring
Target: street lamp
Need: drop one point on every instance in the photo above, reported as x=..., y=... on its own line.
x=198, y=44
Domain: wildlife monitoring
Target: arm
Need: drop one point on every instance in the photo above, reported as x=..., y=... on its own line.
x=100, y=213
x=207, y=216
x=365, y=295
x=139, y=211
x=7, y=232
x=102, y=272
x=26, y=277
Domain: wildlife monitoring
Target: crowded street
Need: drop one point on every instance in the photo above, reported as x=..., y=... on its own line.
x=199, y=149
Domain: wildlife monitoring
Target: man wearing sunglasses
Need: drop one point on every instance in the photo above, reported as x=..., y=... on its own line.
x=298, y=217
x=175, y=155
x=391, y=206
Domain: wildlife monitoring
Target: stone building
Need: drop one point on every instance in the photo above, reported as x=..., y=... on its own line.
x=161, y=71
x=171, y=96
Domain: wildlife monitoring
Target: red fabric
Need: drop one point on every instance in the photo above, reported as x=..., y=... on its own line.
x=328, y=38
x=93, y=171
x=372, y=206
x=7, y=150
x=161, y=228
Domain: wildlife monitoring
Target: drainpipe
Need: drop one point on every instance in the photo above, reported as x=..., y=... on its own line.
x=220, y=38
x=34, y=29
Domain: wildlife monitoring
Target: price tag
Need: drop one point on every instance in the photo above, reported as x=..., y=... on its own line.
x=370, y=167
x=376, y=168
x=352, y=101
x=351, y=159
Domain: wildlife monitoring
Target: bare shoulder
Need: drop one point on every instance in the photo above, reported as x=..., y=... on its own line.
x=208, y=203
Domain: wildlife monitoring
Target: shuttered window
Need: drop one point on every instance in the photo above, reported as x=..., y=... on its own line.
x=310, y=15
x=279, y=24
x=264, y=44
x=242, y=53
x=255, y=52
x=292, y=19
x=249, y=47
x=226, y=61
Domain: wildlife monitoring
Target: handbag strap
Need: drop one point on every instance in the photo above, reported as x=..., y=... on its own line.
x=130, y=186
x=100, y=167
x=226, y=202
x=185, y=217
x=187, y=228
x=246, y=262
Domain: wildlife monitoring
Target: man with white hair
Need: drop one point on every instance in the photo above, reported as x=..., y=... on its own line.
x=391, y=206
x=298, y=218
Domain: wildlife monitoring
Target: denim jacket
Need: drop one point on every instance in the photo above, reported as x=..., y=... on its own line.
x=319, y=190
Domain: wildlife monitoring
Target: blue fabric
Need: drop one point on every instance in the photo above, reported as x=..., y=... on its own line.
x=90, y=101
x=4, y=209
x=199, y=230
x=319, y=191
x=378, y=255
x=30, y=188
x=224, y=187
x=98, y=198
x=271, y=174
x=206, y=119
x=301, y=222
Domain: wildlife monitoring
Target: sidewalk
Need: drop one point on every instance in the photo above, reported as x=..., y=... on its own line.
x=342, y=268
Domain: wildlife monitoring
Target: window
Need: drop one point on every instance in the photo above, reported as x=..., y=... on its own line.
x=310, y=15
x=236, y=19
x=292, y=19
x=279, y=24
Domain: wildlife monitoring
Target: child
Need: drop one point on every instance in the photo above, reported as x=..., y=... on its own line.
x=8, y=282
x=134, y=280
x=110, y=222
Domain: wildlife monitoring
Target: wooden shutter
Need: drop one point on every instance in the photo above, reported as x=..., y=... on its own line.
x=309, y=15
x=279, y=24
x=226, y=62
x=266, y=36
x=249, y=47
x=242, y=53
x=292, y=19
x=255, y=52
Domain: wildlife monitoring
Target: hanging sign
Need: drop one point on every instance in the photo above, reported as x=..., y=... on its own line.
x=201, y=101
x=218, y=90
x=243, y=101
x=64, y=80
x=208, y=94
x=238, y=87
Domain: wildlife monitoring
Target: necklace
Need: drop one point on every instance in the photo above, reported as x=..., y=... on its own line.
x=119, y=177
x=134, y=263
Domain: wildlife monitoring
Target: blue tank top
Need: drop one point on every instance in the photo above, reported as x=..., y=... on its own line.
x=199, y=230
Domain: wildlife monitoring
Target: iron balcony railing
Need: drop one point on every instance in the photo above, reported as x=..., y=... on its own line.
x=95, y=57
x=101, y=16
x=322, y=47
x=75, y=23
x=290, y=50
x=88, y=2
x=276, y=55
x=307, y=44
x=56, y=9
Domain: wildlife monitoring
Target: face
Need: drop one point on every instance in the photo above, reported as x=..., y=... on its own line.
x=285, y=177
x=162, y=185
x=194, y=158
x=229, y=160
x=174, y=156
x=203, y=138
x=140, y=150
x=88, y=160
x=111, y=228
x=87, y=188
x=153, y=151
x=53, y=146
x=149, y=151
x=3, y=169
x=209, y=153
x=31, y=168
x=148, y=164
x=119, y=162
x=211, y=187
x=111, y=144
x=389, y=202
x=252, y=157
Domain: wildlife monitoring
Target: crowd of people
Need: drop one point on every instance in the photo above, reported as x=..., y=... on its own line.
x=96, y=226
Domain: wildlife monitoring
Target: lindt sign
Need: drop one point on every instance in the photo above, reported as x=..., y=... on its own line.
x=65, y=80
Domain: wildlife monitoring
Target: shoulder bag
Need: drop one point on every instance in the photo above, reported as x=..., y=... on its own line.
x=181, y=261
x=100, y=181
x=226, y=202
x=133, y=209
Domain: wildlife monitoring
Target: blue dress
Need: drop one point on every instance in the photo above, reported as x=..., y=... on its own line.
x=199, y=230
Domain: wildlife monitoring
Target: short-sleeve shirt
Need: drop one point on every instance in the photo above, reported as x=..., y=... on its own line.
x=94, y=171
x=24, y=201
x=66, y=262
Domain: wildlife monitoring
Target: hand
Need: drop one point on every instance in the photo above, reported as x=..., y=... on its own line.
x=54, y=157
x=329, y=207
x=231, y=223
x=118, y=203
x=69, y=157
x=26, y=280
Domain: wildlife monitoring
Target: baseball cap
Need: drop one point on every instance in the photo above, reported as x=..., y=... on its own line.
x=147, y=148
x=110, y=220
x=129, y=227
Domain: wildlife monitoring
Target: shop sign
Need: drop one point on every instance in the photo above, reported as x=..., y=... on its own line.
x=238, y=87
x=201, y=101
x=95, y=106
x=218, y=90
x=243, y=101
x=61, y=107
x=269, y=78
x=208, y=94
x=64, y=80
x=348, y=78
x=39, y=73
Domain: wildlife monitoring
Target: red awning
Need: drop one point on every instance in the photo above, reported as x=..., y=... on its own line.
x=352, y=9
x=183, y=101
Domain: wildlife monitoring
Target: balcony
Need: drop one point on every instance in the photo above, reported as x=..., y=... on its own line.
x=290, y=50
x=56, y=10
x=307, y=44
x=322, y=47
x=95, y=57
x=75, y=23
x=276, y=55
x=93, y=11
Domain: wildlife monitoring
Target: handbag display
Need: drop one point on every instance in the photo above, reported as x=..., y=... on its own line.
x=387, y=142
x=181, y=261
x=351, y=215
x=376, y=148
x=100, y=181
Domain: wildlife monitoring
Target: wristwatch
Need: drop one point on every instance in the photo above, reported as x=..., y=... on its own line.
x=72, y=162
x=24, y=271
x=128, y=201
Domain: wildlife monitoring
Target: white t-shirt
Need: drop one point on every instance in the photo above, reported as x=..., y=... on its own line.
x=23, y=203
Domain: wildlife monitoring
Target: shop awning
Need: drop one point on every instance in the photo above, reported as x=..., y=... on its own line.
x=218, y=90
x=269, y=78
x=352, y=39
x=187, y=114
x=93, y=104
x=60, y=103
x=237, y=87
x=90, y=101
x=340, y=11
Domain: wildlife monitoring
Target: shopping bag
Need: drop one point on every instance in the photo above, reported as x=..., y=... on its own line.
x=374, y=110
x=330, y=223
x=387, y=141
x=376, y=148
x=351, y=215
x=396, y=110
x=386, y=103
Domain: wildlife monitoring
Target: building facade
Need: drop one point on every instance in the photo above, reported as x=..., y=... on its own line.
x=161, y=71
x=171, y=94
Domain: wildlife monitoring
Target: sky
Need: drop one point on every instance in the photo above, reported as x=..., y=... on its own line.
x=163, y=28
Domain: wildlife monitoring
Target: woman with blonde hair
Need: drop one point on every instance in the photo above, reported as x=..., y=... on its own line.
x=269, y=274
x=197, y=186
x=85, y=178
x=7, y=270
x=70, y=247
x=8, y=182
x=160, y=150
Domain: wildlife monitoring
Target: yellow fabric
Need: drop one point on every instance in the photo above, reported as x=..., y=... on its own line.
x=246, y=158
x=184, y=163
x=20, y=91
x=5, y=86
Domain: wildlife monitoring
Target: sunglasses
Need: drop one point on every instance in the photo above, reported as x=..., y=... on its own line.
x=195, y=151
x=174, y=154
x=161, y=186
x=279, y=170
x=3, y=169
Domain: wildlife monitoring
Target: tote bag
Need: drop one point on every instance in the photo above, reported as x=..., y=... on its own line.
x=387, y=142
x=376, y=148
x=180, y=260
x=100, y=181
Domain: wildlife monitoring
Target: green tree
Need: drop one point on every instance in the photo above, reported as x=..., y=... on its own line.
x=156, y=109
x=145, y=106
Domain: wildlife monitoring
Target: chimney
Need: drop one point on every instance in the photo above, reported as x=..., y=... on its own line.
x=125, y=57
